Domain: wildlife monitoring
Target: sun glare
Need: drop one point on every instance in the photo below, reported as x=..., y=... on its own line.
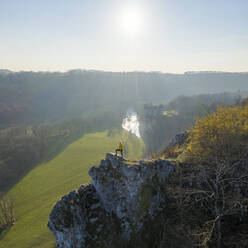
x=131, y=20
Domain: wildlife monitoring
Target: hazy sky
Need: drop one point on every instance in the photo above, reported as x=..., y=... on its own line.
x=122, y=35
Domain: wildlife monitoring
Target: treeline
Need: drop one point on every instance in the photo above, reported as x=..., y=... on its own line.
x=160, y=124
x=23, y=147
x=37, y=96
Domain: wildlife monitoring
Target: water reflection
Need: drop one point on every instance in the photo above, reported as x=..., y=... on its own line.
x=131, y=123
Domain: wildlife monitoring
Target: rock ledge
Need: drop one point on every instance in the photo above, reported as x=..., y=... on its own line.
x=123, y=206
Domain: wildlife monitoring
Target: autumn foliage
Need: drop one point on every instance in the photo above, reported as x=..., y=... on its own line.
x=221, y=136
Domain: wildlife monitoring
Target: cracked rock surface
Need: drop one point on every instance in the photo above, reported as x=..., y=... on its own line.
x=122, y=207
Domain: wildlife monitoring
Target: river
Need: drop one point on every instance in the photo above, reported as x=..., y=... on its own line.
x=131, y=123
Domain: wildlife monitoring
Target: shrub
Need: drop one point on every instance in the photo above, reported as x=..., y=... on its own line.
x=221, y=136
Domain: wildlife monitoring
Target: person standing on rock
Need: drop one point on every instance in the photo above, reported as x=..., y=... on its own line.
x=120, y=149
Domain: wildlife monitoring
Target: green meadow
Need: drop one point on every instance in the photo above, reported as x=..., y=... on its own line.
x=41, y=188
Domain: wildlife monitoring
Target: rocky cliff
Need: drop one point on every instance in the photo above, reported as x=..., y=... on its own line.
x=122, y=207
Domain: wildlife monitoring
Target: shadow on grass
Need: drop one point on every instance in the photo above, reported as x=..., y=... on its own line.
x=53, y=150
x=4, y=232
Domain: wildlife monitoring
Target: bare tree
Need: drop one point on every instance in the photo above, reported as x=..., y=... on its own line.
x=216, y=187
x=6, y=213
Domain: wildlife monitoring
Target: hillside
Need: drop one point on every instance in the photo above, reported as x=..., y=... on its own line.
x=79, y=93
x=38, y=191
x=22, y=147
x=160, y=123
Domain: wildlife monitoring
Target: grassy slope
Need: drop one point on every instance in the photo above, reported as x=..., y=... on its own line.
x=39, y=190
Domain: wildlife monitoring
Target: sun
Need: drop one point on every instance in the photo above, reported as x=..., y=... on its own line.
x=131, y=20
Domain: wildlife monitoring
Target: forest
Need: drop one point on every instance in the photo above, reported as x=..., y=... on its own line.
x=33, y=97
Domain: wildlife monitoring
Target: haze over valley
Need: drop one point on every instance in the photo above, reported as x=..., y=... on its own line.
x=123, y=124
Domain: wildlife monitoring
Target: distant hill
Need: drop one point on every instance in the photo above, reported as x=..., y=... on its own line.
x=4, y=71
x=44, y=96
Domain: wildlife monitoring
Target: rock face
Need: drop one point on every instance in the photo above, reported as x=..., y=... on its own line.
x=179, y=139
x=122, y=207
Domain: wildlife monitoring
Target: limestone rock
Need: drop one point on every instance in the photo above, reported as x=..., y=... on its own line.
x=122, y=207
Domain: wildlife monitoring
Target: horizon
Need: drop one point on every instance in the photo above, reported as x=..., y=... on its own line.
x=135, y=71
x=139, y=35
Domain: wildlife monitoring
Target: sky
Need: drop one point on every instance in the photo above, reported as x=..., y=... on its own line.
x=116, y=35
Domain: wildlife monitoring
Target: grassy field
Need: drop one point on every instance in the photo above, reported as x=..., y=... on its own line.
x=41, y=188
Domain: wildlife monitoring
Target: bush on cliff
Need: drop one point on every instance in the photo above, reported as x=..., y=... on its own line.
x=221, y=136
